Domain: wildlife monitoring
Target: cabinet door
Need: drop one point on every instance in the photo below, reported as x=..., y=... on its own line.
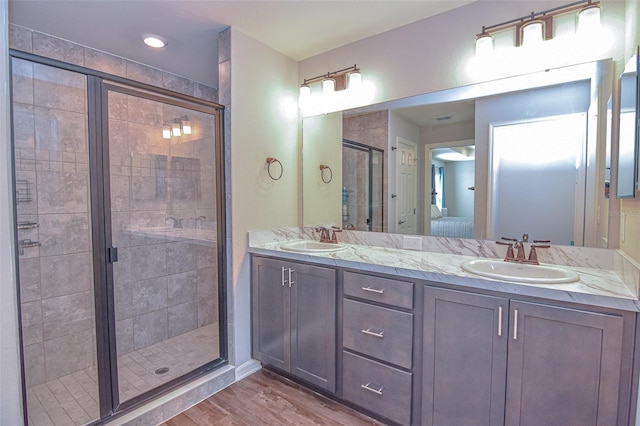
x=313, y=325
x=563, y=366
x=464, y=358
x=270, y=305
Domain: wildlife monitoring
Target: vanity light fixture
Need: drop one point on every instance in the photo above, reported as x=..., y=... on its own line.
x=332, y=81
x=538, y=26
x=155, y=41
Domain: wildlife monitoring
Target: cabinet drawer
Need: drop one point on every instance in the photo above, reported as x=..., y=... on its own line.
x=377, y=387
x=382, y=333
x=391, y=292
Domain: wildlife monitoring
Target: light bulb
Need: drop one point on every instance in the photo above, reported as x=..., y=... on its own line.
x=186, y=127
x=175, y=129
x=154, y=41
x=328, y=86
x=305, y=94
x=166, y=132
x=532, y=33
x=589, y=19
x=355, y=80
x=484, y=45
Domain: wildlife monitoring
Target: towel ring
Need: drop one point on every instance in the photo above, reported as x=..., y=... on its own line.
x=322, y=174
x=270, y=161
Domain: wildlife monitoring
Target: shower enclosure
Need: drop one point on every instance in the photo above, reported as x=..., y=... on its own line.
x=362, y=181
x=120, y=222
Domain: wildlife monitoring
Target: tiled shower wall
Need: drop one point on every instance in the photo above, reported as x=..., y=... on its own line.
x=52, y=177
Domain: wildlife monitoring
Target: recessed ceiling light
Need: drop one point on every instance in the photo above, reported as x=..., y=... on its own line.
x=154, y=41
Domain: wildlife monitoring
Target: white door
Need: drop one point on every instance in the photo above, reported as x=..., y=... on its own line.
x=406, y=182
x=538, y=180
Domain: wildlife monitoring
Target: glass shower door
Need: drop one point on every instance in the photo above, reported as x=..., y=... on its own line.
x=162, y=160
x=54, y=236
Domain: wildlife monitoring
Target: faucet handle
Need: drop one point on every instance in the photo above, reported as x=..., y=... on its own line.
x=533, y=254
x=334, y=238
x=509, y=256
x=542, y=241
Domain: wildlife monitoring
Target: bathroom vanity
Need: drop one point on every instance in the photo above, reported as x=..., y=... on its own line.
x=412, y=338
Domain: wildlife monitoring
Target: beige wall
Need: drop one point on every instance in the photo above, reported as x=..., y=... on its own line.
x=264, y=123
x=322, y=145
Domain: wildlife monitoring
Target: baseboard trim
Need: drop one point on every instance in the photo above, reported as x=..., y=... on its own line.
x=247, y=369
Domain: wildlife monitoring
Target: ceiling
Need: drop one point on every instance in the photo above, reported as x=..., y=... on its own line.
x=298, y=29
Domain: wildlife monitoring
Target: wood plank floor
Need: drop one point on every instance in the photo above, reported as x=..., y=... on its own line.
x=266, y=398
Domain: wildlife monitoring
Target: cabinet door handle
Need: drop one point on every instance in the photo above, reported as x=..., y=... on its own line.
x=370, y=389
x=284, y=281
x=373, y=333
x=515, y=324
x=373, y=290
x=291, y=271
x=499, y=321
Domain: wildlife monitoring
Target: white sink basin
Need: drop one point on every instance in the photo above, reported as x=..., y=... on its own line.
x=520, y=272
x=309, y=246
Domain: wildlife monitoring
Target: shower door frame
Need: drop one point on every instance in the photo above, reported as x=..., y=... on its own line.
x=98, y=84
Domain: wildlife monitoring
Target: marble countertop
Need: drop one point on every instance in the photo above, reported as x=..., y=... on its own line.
x=597, y=287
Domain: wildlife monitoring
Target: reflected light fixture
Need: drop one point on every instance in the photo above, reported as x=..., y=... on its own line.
x=536, y=27
x=176, y=127
x=155, y=41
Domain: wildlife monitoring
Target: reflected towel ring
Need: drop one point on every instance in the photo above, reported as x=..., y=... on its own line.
x=270, y=161
x=322, y=174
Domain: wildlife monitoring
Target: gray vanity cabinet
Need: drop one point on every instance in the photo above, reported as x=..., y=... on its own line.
x=294, y=319
x=464, y=358
x=563, y=365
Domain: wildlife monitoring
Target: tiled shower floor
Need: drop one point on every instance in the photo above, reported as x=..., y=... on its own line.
x=73, y=399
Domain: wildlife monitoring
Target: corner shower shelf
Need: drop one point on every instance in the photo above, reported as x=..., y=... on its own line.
x=23, y=190
x=27, y=244
x=27, y=225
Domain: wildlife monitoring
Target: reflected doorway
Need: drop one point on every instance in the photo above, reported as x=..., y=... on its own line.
x=362, y=187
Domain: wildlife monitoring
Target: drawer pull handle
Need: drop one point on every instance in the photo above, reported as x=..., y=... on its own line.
x=373, y=290
x=370, y=389
x=373, y=333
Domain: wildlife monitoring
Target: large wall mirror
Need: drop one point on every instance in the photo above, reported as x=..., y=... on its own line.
x=629, y=138
x=491, y=160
